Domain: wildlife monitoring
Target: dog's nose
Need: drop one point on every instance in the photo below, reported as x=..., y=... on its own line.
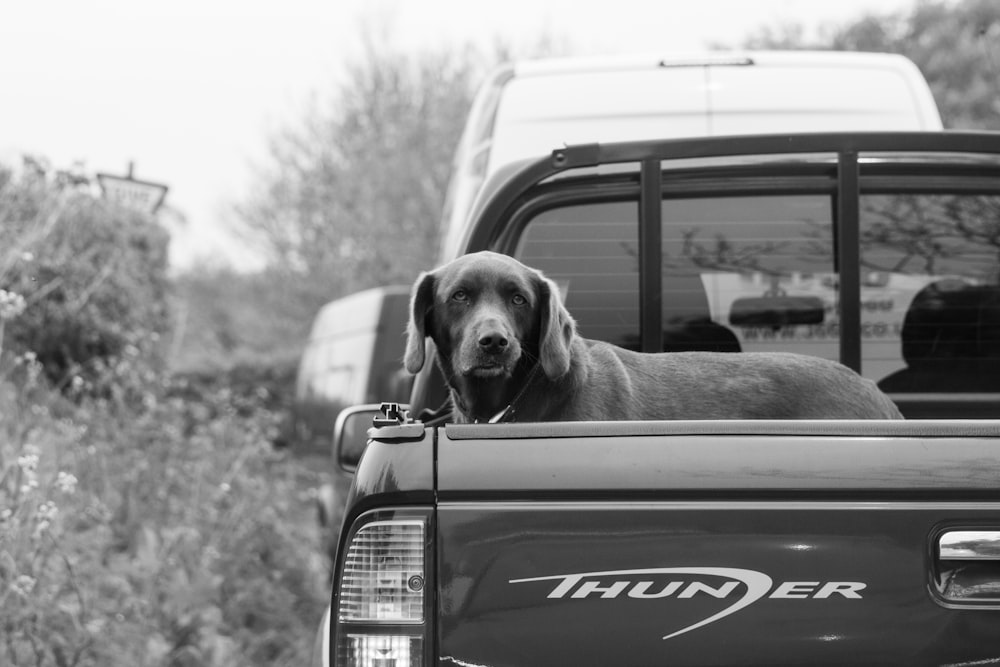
x=493, y=341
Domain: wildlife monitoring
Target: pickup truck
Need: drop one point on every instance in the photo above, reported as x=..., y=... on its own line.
x=697, y=542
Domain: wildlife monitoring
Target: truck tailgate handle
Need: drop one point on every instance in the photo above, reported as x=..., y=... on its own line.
x=969, y=545
x=967, y=568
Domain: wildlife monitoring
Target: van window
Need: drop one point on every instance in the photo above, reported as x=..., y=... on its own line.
x=331, y=367
x=757, y=273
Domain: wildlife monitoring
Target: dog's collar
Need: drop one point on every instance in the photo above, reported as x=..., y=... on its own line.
x=507, y=414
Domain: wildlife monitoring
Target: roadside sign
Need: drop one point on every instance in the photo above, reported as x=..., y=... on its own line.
x=131, y=193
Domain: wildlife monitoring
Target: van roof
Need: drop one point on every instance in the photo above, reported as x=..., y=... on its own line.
x=547, y=103
x=359, y=312
x=550, y=66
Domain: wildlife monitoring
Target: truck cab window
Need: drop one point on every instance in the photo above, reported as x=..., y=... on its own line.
x=759, y=268
x=756, y=273
x=717, y=253
x=591, y=251
x=930, y=292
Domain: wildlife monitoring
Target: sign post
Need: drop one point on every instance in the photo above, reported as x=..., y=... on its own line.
x=126, y=191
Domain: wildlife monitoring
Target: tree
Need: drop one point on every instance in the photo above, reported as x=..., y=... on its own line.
x=354, y=194
x=955, y=44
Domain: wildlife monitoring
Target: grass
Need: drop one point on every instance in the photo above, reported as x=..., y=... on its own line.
x=158, y=531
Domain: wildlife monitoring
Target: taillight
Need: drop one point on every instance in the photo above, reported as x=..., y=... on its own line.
x=382, y=595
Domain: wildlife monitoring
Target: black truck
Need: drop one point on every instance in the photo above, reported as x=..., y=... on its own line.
x=700, y=542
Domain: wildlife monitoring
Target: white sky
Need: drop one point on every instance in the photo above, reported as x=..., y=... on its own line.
x=190, y=90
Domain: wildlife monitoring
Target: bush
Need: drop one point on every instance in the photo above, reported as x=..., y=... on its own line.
x=168, y=534
x=95, y=278
x=141, y=523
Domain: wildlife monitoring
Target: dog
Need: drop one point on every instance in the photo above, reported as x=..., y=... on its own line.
x=509, y=351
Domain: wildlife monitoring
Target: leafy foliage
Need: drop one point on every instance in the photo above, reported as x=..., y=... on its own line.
x=94, y=277
x=165, y=534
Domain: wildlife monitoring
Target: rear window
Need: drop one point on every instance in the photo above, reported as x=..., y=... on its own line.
x=931, y=295
x=758, y=273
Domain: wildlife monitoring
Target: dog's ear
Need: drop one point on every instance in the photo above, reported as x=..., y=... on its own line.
x=557, y=330
x=421, y=306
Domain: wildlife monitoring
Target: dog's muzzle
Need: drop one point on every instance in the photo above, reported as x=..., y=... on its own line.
x=491, y=351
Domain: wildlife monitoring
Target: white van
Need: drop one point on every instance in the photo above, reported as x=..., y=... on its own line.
x=353, y=355
x=529, y=108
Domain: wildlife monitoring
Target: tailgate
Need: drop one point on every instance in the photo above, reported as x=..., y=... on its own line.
x=693, y=543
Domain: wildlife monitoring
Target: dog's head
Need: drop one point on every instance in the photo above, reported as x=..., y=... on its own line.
x=489, y=315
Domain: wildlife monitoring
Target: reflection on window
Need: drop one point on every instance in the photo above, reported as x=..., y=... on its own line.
x=938, y=325
x=756, y=273
x=592, y=253
x=750, y=273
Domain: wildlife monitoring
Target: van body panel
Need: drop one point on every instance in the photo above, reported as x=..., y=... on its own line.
x=800, y=98
x=631, y=98
x=536, y=112
x=353, y=355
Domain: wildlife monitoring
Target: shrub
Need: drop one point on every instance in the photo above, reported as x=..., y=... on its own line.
x=95, y=278
x=139, y=523
x=166, y=533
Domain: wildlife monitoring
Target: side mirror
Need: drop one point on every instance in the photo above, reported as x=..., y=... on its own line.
x=350, y=433
x=776, y=311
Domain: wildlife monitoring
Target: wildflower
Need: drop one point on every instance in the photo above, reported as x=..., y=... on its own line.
x=47, y=511
x=95, y=626
x=66, y=482
x=29, y=360
x=45, y=515
x=23, y=585
x=11, y=305
x=34, y=371
x=28, y=462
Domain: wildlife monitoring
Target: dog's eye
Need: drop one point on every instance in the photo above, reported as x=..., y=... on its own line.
x=519, y=300
x=461, y=296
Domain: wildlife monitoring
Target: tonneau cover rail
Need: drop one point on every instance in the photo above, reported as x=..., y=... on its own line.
x=939, y=428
